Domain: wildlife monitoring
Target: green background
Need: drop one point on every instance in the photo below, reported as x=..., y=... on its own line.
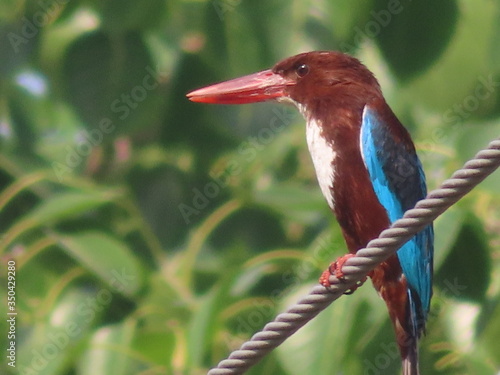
x=153, y=235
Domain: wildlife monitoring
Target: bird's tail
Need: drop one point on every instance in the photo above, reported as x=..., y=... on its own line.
x=407, y=335
x=416, y=324
x=410, y=362
x=407, y=319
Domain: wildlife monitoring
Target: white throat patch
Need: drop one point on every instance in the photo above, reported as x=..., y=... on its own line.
x=323, y=155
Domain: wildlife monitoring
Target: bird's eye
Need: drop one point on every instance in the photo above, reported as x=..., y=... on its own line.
x=302, y=70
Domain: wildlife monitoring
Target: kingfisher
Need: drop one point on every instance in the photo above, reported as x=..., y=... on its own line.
x=366, y=166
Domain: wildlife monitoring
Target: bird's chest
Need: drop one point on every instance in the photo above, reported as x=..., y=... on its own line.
x=323, y=156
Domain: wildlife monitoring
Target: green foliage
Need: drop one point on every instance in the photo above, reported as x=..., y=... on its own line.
x=152, y=235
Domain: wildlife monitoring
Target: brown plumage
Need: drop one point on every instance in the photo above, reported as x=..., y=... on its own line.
x=332, y=90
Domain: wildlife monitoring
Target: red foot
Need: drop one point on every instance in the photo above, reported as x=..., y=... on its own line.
x=335, y=268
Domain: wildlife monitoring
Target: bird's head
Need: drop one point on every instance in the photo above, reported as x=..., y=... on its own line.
x=307, y=80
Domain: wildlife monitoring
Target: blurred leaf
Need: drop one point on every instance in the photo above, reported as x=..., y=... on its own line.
x=68, y=205
x=73, y=24
x=489, y=331
x=266, y=38
x=495, y=40
x=458, y=73
x=326, y=344
x=49, y=344
x=248, y=278
x=107, y=258
x=126, y=15
x=55, y=209
x=111, y=81
x=282, y=262
x=258, y=227
x=410, y=35
x=472, y=140
x=210, y=139
x=9, y=10
x=475, y=137
x=18, y=40
x=446, y=229
x=202, y=327
x=348, y=18
x=158, y=346
x=42, y=124
x=109, y=351
x=468, y=264
x=482, y=365
x=294, y=202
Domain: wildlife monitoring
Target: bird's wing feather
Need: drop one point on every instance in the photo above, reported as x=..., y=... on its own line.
x=399, y=182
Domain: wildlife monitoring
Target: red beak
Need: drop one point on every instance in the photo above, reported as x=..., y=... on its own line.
x=257, y=87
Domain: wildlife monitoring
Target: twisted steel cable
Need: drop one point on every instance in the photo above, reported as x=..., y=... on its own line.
x=356, y=268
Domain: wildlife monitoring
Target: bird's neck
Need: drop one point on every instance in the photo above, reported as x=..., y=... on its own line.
x=333, y=137
x=323, y=154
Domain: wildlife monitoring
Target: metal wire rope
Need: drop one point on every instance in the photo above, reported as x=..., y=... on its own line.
x=356, y=268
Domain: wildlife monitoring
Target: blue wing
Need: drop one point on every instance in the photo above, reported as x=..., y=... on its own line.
x=399, y=182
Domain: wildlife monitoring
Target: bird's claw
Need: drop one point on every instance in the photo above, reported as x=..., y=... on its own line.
x=335, y=268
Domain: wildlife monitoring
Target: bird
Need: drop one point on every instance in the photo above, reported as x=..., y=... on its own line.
x=367, y=169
